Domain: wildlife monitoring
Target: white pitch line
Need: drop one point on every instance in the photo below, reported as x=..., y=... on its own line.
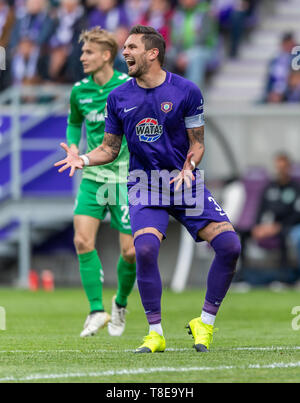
x=40, y=351
x=271, y=348
x=138, y=371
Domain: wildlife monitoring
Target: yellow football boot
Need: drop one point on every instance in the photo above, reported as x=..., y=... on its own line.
x=153, y=343
x=202, y=333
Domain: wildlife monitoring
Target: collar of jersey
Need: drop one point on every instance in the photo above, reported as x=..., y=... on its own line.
x=90, y=77
x=167, y=80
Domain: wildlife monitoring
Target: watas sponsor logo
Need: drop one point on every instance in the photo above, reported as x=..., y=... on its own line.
x=149, y=130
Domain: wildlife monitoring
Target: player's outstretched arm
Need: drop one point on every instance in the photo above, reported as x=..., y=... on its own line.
x=105, y=153
x=194, y=157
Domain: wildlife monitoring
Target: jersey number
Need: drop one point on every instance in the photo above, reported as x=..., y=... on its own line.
x=125, y=216
x=217, y=208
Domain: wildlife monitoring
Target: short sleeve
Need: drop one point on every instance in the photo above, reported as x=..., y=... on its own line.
x=113, y=124
x=194, y=108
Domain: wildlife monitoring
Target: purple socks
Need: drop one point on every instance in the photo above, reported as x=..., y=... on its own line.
x=148, y=276
x=227, y=247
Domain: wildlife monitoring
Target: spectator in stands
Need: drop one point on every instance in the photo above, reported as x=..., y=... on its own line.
x=64, y=47
x=159, y=16
x=19, y=6
x=29, y=36
x=121, y=34
x=279, y=71
x=89, y=5
x=292, y=93
x=279, y=210
x=135, y=9
x=234, y=16
x=242, y=13
x=109, y=15
x=223, y=10
x=194, y=39
x=7, y=19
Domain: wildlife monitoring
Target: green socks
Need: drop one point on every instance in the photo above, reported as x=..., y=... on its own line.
x=126, y=280
x=92, y=278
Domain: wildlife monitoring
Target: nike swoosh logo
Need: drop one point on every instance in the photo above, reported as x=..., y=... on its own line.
x=130, y=109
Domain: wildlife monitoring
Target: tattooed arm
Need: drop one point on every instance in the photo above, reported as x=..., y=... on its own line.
x=195, y=154
x=105, y=153
x=197, y=147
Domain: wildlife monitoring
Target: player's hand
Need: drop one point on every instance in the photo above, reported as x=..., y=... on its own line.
x=186, y=175
x=74, y=149
x=72, y=161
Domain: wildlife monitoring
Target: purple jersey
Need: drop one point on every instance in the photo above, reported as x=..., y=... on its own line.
x=155, y=120
x=155, y=123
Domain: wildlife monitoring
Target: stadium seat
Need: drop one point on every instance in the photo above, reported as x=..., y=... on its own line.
x=296, y=172
x=255, y=180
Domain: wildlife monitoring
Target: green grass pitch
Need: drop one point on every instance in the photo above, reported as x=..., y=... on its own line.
x=255, y=341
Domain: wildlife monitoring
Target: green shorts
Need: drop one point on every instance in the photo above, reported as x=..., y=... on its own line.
x=96, y=199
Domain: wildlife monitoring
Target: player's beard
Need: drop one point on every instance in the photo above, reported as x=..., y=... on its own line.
x=141, y=69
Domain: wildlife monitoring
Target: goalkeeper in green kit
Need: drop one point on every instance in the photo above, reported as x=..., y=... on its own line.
x=88, y=100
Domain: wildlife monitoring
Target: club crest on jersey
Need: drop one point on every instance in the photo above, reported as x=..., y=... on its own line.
x=166, y=107
x=149, y=130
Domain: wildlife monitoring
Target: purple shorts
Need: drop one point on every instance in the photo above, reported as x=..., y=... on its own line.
x=157, y=216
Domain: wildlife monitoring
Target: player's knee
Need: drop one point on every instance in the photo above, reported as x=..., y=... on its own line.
x=83, y=244
x=144, y=251
x=146, y=247
x=228, y=246
x=128, y=254
x=234, y=250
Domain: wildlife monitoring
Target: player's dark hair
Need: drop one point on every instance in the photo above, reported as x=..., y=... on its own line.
x=152, y=39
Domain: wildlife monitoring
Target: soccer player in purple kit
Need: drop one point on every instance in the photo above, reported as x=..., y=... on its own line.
x=161, y=115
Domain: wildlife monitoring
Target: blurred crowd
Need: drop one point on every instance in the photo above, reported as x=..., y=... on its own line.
x=265, y=211
x=41, y=36
x=283, y=82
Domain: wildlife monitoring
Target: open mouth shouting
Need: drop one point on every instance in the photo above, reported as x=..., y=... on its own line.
x=130, y=63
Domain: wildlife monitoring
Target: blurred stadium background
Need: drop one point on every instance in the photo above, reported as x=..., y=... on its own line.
x=240, y=52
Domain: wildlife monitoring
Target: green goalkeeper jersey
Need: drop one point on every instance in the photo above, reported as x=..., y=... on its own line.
x=87, y=103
